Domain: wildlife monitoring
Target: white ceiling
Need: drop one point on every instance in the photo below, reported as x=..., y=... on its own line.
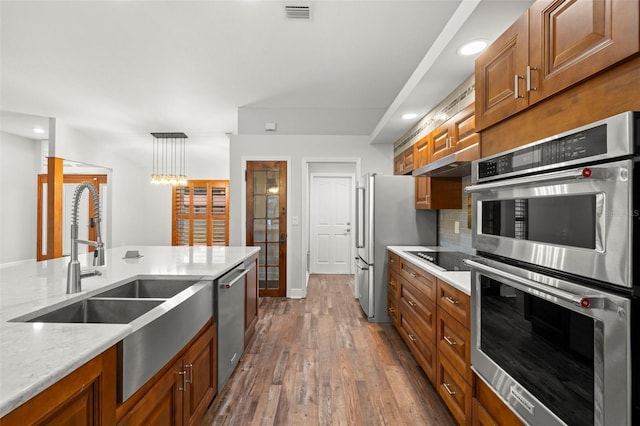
x=118, y=70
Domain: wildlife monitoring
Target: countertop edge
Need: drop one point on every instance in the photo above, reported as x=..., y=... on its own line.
x=461, y=280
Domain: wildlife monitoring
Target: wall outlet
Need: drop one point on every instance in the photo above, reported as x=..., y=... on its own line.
x=456, y=227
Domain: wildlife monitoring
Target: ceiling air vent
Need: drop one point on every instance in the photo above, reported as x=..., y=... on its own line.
x=298, y=12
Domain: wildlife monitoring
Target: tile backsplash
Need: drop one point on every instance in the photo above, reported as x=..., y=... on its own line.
x=447, y=237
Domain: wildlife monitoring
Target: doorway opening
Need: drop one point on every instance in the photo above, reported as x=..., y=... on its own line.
x=329, y=214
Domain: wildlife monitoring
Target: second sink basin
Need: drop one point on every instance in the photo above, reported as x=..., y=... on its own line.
x=149, y=288
x=100, y=311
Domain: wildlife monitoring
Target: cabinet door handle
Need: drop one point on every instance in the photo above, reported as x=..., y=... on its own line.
x=411, y=337
x=449, y=340
x=392, y=310
x=413, y=275
x=451, y=300
x=190, y=379
x=411, y=303
x=184, y=380
x=529, y=88
x=516, y=91
x=449, y=391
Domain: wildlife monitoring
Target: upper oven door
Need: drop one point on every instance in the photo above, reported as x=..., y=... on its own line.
x=555, y=351
x=577, y=221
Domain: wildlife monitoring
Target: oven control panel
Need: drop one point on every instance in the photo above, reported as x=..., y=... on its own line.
x=576, y=146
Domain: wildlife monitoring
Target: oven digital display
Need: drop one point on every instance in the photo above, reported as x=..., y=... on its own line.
x=577, y=146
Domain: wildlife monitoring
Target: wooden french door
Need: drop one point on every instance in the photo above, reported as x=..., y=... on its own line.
x=267, y=223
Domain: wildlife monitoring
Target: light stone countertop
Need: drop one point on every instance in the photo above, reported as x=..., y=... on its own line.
x=458, y=279
x=34, y=356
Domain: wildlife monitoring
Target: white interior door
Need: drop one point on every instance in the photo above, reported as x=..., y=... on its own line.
x=331, y=223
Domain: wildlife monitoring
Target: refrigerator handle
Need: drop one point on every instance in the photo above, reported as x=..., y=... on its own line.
x=359, y=217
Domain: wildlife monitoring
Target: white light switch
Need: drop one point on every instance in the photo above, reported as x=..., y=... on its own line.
x=294, y=220
x=456, y=227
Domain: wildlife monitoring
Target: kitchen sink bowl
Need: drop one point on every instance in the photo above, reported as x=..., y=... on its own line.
x=149, y=288
x=100, y=311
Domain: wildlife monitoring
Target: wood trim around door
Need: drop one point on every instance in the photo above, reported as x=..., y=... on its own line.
x=269, y=236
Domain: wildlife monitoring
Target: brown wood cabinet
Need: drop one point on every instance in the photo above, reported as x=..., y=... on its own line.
x=418, y=315
x=252, y=296
x=182, y=391
x=438, y=193
x=553, y=46
x=454, y=375
x=488, y=409
x=86, y=396
x=393, y=292
x=403, y=163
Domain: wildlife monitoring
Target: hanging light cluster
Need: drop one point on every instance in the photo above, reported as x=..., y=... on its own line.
x=169, y=159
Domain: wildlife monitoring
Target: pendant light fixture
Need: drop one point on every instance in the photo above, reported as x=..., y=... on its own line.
x=169, y=158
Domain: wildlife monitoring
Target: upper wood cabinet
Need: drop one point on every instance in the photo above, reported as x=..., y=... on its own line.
x=551, y=47
x=421, y=152
x=403, y=163
x=455, y=134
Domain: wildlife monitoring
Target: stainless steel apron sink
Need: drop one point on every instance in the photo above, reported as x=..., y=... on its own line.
x=165, y=314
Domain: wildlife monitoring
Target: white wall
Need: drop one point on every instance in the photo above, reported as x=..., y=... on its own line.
x=297, y=149
x=19, y=167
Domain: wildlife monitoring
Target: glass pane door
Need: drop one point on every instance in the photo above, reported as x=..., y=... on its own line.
x=266, y=222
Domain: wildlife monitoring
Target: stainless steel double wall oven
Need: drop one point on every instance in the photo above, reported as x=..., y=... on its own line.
x=554, y=288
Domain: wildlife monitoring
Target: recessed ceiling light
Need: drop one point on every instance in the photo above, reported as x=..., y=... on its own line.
x=473, y=47
x=38, y=130
x=409, y=116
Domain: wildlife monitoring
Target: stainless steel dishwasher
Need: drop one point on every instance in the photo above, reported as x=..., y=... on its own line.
x=230, y=289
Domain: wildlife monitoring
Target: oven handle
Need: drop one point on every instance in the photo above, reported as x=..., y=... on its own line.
x=584, y=173
x=526, y=285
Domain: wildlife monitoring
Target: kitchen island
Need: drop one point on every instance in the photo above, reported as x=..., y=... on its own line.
x=35, y=355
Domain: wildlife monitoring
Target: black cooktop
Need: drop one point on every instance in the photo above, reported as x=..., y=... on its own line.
x=447, y=260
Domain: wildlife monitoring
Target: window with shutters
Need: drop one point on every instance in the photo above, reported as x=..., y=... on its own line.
x=201, y=213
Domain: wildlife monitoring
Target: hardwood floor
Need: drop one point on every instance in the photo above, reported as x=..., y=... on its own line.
x=317, y=361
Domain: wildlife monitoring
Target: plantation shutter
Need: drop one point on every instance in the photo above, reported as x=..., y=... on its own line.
x=201, y=213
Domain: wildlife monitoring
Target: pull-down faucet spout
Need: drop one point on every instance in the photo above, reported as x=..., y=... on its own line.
x=74, y=273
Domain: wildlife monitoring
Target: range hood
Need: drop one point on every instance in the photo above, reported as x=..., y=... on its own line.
x=454, y=165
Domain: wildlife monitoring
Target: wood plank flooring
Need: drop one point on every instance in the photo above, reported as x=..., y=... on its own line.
x=317, y=361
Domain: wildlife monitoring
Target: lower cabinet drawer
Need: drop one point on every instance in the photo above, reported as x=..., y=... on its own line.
x=423, y=351
x=480, y=416
x=454, y=391
x=453, y=342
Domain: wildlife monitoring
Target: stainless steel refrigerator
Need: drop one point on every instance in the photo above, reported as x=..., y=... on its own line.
x=386, y=216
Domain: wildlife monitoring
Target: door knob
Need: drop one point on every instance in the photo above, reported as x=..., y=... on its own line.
x=348, y=230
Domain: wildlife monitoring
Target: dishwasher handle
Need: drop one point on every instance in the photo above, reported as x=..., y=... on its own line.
x=227, y=284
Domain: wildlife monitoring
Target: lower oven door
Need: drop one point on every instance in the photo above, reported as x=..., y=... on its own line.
x=556, y=352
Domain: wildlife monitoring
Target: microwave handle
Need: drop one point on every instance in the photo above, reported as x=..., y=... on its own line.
x=526, y=285
x=584, y=173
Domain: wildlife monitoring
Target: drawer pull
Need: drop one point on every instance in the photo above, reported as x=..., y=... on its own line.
x=448, y=389
x=392, y=261
x=411, y=337
x=449, y=340
x=451, y=300
x=413, y=275
x=392, y=283
x=411, y=303
x=392, y=310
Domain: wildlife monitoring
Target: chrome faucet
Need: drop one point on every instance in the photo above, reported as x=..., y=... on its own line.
x=74, y=274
